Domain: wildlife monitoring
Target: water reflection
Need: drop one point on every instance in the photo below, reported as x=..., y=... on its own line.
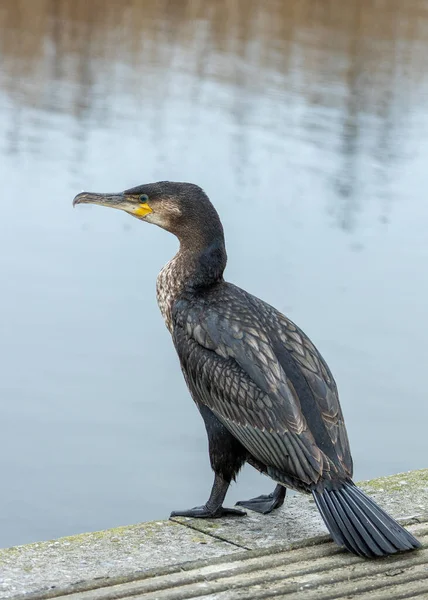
x=306, y=121
x=272, y=69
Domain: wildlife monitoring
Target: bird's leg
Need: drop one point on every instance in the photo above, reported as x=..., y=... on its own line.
x=266, y=503
x=213, y=508
x=227, y=456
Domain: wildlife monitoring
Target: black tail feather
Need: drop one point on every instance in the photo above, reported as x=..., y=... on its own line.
x=379, y=542
x=358, y=523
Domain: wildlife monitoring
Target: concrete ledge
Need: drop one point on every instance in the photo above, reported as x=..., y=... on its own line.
x=161, y=559
x=403, y=496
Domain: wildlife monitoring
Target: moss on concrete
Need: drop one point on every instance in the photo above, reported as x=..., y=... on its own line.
x=411, y=481
x=117, y=535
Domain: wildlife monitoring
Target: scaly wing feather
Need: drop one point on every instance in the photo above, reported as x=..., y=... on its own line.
x=233, y=368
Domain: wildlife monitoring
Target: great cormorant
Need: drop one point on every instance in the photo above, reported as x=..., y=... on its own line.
x=265, y=393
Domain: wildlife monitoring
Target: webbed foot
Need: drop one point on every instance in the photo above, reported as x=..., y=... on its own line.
x=266, y=503
x=203, y=512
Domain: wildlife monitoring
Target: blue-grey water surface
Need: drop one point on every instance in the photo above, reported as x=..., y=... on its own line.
x=307, y=124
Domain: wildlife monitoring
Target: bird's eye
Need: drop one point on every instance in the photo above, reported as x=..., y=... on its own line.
x=144, y=198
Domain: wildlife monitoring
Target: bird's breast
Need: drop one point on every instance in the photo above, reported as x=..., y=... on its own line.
x=169, y=283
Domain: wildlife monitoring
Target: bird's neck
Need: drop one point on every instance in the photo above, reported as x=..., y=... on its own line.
x=194, y=268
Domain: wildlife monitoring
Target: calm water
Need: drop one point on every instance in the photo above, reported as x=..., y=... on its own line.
x=307, y=124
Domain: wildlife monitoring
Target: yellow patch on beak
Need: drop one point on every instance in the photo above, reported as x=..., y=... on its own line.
x=142, y=210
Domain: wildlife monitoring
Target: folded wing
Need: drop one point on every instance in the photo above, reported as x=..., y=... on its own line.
x=239, y=371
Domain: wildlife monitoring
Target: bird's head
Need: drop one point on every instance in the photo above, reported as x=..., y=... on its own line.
x=181, y=208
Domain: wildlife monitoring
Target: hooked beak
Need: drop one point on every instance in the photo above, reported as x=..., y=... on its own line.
x=121, y=201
